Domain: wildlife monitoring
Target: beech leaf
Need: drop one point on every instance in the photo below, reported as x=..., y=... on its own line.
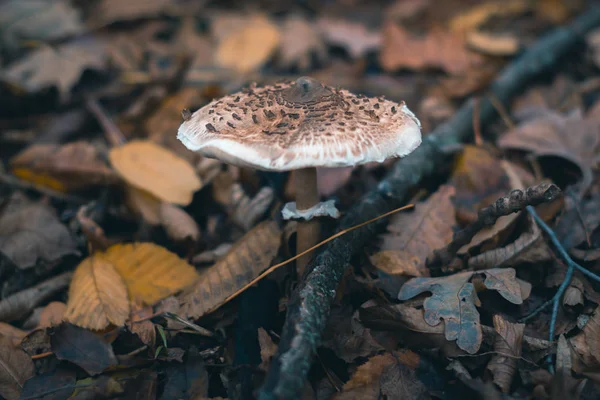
x=15, y=368
x=247, y=258
x=150, y=167
x=454, y=299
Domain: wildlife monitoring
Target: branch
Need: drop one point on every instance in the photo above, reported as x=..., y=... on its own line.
x=309, y=306
x=516, y=201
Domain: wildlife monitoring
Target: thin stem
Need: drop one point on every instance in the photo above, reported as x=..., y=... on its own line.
x=308, y=232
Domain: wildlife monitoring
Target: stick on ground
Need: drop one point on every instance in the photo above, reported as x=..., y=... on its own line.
x=310, y=303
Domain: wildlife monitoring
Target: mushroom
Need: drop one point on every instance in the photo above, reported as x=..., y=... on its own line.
x=300, y=126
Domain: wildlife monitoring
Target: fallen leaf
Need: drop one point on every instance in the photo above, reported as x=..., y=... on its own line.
x=14, y=335
x=60, y=66
x=178, y=224
x=578, y=220
x=247, y=258
x=438, y=49
x=52, y=314
x=300, y=40
x=571, y=137
x=507, y=348
x=15, y=368
x=493, y=45
x=144, y=204
x=108, y=11
x=557, y=11
x=38, y=20
x=141, y=325
x=73, y=166
x=187, y=381
x=268, y=349
x=477, y=15
x=249, y=46
x=97, y=295
x=353, y=36
x=587, y=343
x=82, y=348
x=245, y=210
x=412, y=237
x=31, y=232
x=454, y=299
x=152, y=168
x=150, y=272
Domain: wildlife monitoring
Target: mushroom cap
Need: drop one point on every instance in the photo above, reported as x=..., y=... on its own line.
x=298, y=125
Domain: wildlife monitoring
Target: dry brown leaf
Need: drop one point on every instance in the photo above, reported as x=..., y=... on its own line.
x=267, y=349
x=414, y=236
x=364, y=384
x=52, y=314
x=557, y=11
x=587, y=343
x=108, y=11
x=394, y=262
x=454, y=299
x=31, y=232
x=249, y=46
x=150, y=272
x=353, y=36
x=97, y=295
x=153, y=168
x=247, y=258
x=12, y=334
x=38, y=20
x=507, y=346
x=476, y=16
x=178, y=223
x=246, y=211
x=143, y=204
x=571, y=137
x=15, y=368
x=493, y=45
x=60, y=66
x=300, y=39
x=72, y=166
x=141, y=325
x=438, y=49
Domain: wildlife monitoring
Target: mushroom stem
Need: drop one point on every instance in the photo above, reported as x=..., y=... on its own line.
x=308, y=232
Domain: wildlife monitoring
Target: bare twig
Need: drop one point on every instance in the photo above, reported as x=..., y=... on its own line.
x=516, y=201
x=309, y=305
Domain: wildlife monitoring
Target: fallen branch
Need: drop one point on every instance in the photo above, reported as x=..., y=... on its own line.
x=309, y=306
x=516, y=201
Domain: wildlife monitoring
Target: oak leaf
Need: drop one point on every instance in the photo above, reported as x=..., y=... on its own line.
x=454, y=299
x=438, y=49
x=72, y=166
x=15, y=368
x=249, y=46
x=60, y=66
x=97, y=295
x=150, y=167
x=150, y=272
x=412, y=237
x=31, y=231
x=247, y=258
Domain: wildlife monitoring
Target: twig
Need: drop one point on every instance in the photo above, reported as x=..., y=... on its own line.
x=571, y=266
x=516, y=201
x=309, y=305
x=114, y=136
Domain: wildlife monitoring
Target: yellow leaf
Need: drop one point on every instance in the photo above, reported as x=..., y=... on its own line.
x=153, y=168
x=251, y=255
x=144, y=204
x=250, y=46
x=475, y=16
x=150, y=272
x=97, y=295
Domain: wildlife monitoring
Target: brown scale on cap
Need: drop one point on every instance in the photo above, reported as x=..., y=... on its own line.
x=300, y=124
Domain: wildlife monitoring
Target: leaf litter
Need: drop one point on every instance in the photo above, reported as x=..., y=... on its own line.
x=128, y=263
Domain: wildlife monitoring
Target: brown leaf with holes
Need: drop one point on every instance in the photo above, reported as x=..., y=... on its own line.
x=454, y=300
x=72, y=166
x=155, y=169
x=31, y=232
x=413, y=236
x=15, y=368
x=178, y=223
x=251, y=255
x=249, y=46
x=574, y=138
x=97, y=295
x=437, y=49
x=507, y=348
